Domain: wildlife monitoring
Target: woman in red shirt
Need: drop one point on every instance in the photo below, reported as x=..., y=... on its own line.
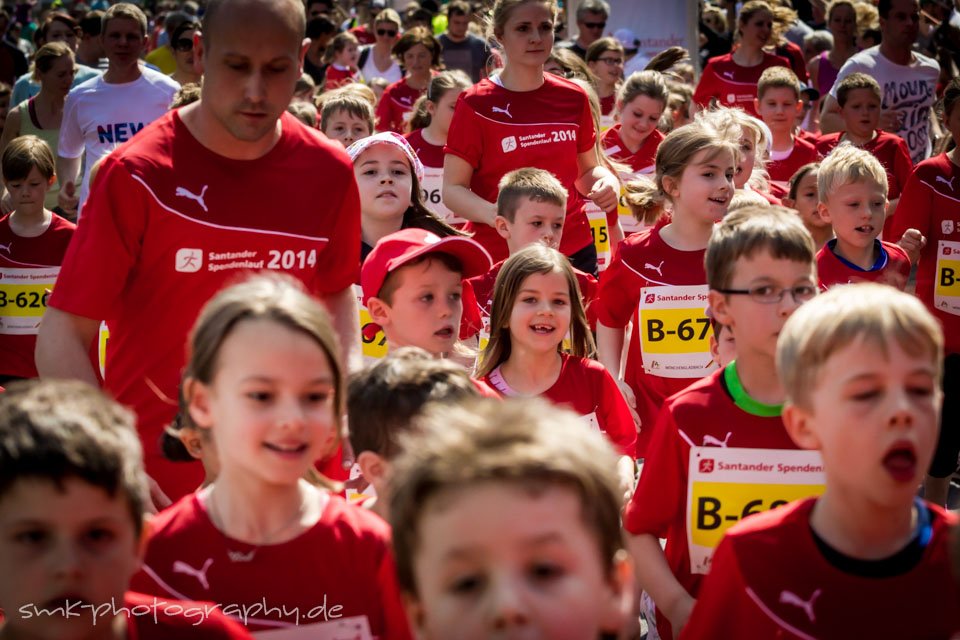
x=419, y=54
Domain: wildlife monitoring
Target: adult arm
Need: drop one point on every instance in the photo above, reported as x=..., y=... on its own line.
x=68, y=170
x=457, y=196
x=342, y=307
x=63, y=346
x=596, y=182
x=830, y=119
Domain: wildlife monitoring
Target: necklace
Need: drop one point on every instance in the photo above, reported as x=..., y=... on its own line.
x=247, y=556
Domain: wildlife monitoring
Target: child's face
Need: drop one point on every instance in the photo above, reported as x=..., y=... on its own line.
x=807, y=201
x=349, y=55
x=639, y=117
x=540, y=317
x=346, y=128
x=723, y=347
x=779, y=108
x=856, y=210
x=74, y=547
x=874, y=417
x=385, y=182
x=756, y=325
x=495, y=560
x=705, y=186
x=748, y=157
x=534, y=221
x=861, y=112
x=441, y=113
x=426, y=308
x=27, y=194
x=271, y=409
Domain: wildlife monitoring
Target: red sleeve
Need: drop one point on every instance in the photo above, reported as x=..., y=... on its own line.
x=395, y=621
x=105, y=248
x=588, y=292
x=466, y=134
x=587, y=137
x=723, y=602
x=614, y=415
x=706, y=88
x=470, y=321
x=799, y=66
x=619, y=292
x=902, y=168
x=338, y=265
x=386, y=113
x=913, y=211
x=662, y=491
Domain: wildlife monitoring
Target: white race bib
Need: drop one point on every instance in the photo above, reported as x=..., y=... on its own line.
x=432, y=191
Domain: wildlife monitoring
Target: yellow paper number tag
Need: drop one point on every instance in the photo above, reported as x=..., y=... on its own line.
x=675, y=331
x=23, y=298
x=947, y=290
x=728, y=484
x=600, y=233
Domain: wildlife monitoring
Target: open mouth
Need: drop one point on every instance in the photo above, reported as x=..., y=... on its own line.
x=446, y=333
x=542, y=329
x=866, y=229
x=901, y=462
x=721, y=200
x=287, y=449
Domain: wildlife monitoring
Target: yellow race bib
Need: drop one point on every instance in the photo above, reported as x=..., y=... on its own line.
x=675, y=331
x=947, y=290
x=23, y=298
x=600, y=233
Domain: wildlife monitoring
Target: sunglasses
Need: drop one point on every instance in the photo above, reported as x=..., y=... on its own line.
x=595, y=25
x=183, y=45
x=613, y=62
x=386, y=32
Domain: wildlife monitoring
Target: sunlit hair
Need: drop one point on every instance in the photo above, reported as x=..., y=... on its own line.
x=353, y=105
x=413, y=37
x=528, y=444
x=874, y=313
x=848, y=164
x=502, y=10
x=681, y=145
x=778, y=78
x=643, y=83
x=528, y=183
x=857, y=80
x=47, y=55
x=531, y=260
x=643, y=198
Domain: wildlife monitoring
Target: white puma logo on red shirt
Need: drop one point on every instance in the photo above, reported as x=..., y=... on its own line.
x=200, y=574
x=657, y=268
x=716, y=442
x=6, y=247
x=949, y=182
x=504, y=110
x=184, y=193
x=789, y=597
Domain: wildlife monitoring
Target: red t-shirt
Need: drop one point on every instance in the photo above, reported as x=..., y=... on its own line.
x=794, y=54
x=586, y=388
x=889, y=149
x=702, y=414
x=364, y=35
x=483, y=290
x=28, y=268
x=646, y=271
x=731, y=84
x=643, y=161
x=338, y=77
x=431, y=155
x=395, y=103
x=892, y=267
x=770, y=579
x=781, y=171
x=342, y=564
x=177, y=619
x=607, y=104
x=809, y=136
x=496, y=130
x=930, y=203
x=169, y=223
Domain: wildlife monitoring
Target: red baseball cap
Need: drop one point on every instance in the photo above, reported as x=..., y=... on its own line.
x=397, y=249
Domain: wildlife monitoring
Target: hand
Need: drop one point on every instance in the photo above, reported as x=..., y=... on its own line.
x=68, y=198
x=913, y=243
x=891, y=120
x=679, y=613
x=605, y=193
x=631, y=399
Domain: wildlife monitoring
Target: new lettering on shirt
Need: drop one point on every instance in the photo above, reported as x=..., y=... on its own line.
x=23, y=298
x=728, y=484
x=675, y=331
x=946, y=296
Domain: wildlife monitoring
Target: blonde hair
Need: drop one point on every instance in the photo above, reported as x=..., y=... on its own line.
x=778, y=78
x=530, y=183
x=46, y=55
x=642, y=198
x=388, y=15
x=748, y=10
x=503, y=8
x=531, y=260
x=747, y=231
x=848, y=164
x=643, y=83
x=616, y=168
x=528, y=444
x=681, y=145
x=871, y=312
x=743, y=198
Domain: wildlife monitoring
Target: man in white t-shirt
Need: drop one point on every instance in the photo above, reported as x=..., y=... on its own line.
x=106, y=111
x=908, y=80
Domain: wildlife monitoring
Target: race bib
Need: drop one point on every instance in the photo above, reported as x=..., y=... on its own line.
x=431, y=190
x=600, y=233
x=675, y=332
x=606, y=122
x=727, y=485
x=373, y=342
x=23, y=298
x=352, y=628
x=591, y=421
x=357, y=490
x=103, y=336
x=946, y=293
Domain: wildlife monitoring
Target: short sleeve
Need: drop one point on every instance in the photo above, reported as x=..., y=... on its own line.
x=619, y=292
x=661, y=493
x=105, y=248
x=466, y=134
x=615, y=418
x=71, y=142
x=850, y=66
x=913, y=210
x=588, y=131
x=704, y=90
x=338, y=265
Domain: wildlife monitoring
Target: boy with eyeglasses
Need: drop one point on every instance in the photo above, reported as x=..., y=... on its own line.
x=719, y=450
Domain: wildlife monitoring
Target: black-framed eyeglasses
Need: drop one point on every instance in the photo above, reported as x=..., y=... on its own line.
x=183, y=45
x=595, y=25
x=386, y=32
x=768, y=294
x=613, y=62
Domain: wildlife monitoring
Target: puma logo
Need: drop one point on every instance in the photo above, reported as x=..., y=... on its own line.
x=789, y=597
x=238, y=556
x=727, y=74
x=199, y=574
x=505, y=110
x=7, y=247
x=709, y=440
x=949, y=182
x=658, y=268
x=184, y=193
